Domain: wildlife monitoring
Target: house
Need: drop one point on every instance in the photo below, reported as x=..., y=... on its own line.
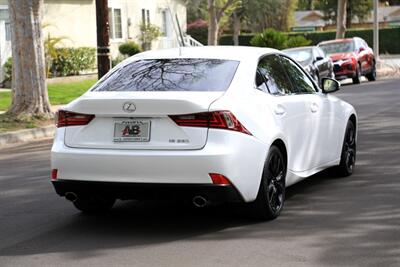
x=75, y=21
x=313, y=20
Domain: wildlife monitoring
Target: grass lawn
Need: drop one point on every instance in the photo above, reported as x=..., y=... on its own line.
x=59, y=94
x=5, y=100
x=7, y=124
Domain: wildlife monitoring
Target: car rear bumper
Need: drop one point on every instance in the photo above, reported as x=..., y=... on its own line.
x=239, y=157
x=142, y=191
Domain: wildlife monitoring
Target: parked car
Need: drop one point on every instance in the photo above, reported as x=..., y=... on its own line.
x=352, y=58
x=314, y=61
x=206, y=124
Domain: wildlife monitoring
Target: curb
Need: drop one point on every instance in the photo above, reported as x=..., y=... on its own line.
x=26, y=135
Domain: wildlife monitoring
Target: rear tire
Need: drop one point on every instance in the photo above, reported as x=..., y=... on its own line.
x=271, y=194
x=372, y=75
x=348, y=155
x=93, y=204
x=357, y=75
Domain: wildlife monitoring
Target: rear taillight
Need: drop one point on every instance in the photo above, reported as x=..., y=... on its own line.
x=216, y=119
x=68, y=118
x=219, y=179
x=54, y=173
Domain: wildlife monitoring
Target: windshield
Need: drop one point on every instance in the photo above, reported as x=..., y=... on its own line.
x=337, y=47
x=183, y=74
x=302, y=56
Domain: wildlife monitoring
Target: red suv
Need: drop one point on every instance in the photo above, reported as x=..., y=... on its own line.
x=352, y=58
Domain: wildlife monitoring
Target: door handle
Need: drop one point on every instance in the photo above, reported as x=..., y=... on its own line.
x=314, y=107
x=279, y=110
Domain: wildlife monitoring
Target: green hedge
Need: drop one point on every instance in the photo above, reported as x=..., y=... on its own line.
x=199, y=33
x=71, y=61
x=388, y=38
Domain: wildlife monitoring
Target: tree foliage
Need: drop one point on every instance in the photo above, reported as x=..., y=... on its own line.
x=278, y=40
x=355, y=9
x=254, y=15
x=219, y=12
x=262, y=14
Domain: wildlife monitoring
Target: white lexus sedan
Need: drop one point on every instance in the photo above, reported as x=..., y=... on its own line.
x=205, y=124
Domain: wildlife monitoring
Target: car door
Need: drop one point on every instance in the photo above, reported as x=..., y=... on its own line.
x=325, y=63
x=319, y=63
x=318, y=146
x=289, y=108
x=370, y=55
x=362, y=52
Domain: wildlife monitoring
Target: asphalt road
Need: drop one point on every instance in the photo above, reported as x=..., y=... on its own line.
x=327, y=221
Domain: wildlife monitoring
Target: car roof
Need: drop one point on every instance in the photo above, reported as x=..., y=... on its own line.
x=338, y=41
x=239, y=53
x=300, y=48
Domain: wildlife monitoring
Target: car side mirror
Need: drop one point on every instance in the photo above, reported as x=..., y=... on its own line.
x=319, y=58
x=361, y=49
x=329, y=85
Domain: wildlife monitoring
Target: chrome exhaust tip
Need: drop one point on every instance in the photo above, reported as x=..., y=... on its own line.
x=71, y=196
x=199, y=201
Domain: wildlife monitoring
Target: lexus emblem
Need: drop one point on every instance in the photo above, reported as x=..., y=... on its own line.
x=129, y=107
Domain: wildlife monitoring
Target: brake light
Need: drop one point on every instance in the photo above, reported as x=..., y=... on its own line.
x=68, y=118
x=54, y=173
x=219, y=179
x=216, y=119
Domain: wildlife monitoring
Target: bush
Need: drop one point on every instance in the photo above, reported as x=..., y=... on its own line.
x=7, y=67
x=270, y=38
x=71, y=61
x=117, y=60
x=297, y=41
x=129, y=49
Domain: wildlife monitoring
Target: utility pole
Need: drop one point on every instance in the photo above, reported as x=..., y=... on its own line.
x=376, y=30
x=103, y=38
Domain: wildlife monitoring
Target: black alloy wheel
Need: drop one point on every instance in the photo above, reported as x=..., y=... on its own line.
x=348, y=156
x=271, y=195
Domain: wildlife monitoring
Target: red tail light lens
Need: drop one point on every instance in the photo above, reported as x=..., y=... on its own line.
x=219, y=179
x=54, y=173
x=68, y=118
x=216, y=119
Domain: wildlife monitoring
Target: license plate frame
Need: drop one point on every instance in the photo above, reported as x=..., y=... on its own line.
x=136, y=130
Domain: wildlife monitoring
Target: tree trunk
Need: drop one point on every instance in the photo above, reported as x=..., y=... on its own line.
x=236, y=28
x=349, y=14
x=213, y=26
x=28, y=77
x=341, y=19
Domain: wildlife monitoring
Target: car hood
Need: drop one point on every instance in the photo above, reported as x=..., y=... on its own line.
x=341, y=56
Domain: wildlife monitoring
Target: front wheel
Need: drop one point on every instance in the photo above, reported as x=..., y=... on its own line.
x=357, y=75
x=348, y=156
x=271, y=194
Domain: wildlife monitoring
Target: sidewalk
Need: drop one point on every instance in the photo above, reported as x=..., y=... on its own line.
x=388, y=65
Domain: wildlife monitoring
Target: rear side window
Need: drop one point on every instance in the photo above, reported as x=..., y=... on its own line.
x=275, y=78
x=189, y=74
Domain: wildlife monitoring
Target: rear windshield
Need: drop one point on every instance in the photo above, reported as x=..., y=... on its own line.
x=337, y=47
x=189, y=74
